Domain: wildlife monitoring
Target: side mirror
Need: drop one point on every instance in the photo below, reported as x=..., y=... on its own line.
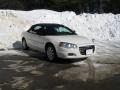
x=74, y=31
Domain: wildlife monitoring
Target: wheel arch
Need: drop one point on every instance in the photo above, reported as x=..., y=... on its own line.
x=48, y=44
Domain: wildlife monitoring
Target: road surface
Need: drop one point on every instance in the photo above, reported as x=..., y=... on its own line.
x=29, y=70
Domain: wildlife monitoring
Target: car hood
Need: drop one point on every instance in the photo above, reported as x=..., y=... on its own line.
x=75, y=39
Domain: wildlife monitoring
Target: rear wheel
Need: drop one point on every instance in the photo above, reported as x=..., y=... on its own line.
x=51, y=53
x=24, y=44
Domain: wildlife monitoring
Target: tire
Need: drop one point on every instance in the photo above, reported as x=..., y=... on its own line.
x=24, y=44
x=51, y=53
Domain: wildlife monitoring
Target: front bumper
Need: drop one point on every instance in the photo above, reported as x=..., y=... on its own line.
x=76, y=53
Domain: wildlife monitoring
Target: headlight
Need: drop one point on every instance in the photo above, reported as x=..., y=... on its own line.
x=67, y=45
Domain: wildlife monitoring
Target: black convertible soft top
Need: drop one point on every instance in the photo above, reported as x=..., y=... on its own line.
x=48, y=24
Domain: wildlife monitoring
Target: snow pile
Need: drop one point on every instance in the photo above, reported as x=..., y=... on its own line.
x=93, y=26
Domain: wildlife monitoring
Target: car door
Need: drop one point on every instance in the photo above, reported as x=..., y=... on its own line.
x=37, y=37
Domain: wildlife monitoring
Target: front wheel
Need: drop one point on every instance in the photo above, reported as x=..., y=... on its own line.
x=51, y=53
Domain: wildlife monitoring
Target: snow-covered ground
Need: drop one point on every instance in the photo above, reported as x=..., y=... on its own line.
x=92, y=26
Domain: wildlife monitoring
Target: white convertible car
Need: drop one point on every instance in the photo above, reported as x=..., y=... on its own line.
x=57, y=40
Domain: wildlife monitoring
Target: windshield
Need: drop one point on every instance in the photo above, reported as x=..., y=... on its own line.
x=59, y=30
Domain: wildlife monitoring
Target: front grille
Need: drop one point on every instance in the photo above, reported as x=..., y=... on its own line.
x=84, y=48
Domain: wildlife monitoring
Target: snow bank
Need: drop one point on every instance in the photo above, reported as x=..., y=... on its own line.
x=93, y=26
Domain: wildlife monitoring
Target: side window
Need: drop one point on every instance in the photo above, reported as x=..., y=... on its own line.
x=39, y=30
x=35, y=29
x=50, y=30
